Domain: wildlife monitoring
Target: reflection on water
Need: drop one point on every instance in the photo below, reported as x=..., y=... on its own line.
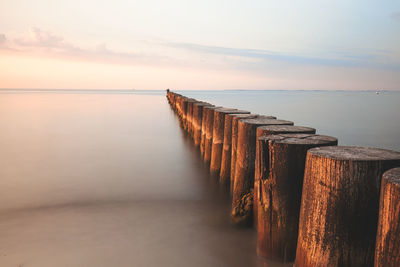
x=108, y=180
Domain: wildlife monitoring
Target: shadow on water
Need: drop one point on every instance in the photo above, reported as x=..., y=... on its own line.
x=221, y=204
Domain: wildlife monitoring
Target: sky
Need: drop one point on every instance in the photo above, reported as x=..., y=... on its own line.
x=184, y=44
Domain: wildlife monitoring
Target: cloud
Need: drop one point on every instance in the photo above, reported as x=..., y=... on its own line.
x=396, y=16
x=4, y=43
x=45, y=38
x=47, y=43
x=3, y=39
x=260, y=57
x=38, y=38
x=191, y=55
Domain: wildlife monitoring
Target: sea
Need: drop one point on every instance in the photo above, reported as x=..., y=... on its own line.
x=109, y=178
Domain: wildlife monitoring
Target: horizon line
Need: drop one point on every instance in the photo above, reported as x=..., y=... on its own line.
x=138, y=90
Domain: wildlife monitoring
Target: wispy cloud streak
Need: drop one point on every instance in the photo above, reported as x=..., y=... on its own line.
x=344, y=60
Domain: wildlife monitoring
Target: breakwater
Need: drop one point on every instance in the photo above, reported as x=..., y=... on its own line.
x=311, y=201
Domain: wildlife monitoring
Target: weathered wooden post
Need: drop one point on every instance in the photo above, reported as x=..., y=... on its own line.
x=168, y=95
x=189, y=114
x=178, y=106
x=197, y=121
x=225, y=172
x=282, y=159
x=172, y=100
x=183, y=110
x=260, y=172
x=203, y=130
x=387, y=250
x=218, y=136
x=339, y=206
x=209, y=123
x=175, y=100
x=242, y=200
x=191, y=124
x=234, y=138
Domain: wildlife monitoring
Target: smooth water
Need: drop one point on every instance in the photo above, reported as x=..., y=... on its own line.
x=108, y=178
x=356, y=118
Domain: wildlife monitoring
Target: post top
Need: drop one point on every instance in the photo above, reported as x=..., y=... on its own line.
x=280, y=122
x=261, y=120
x=300, y=139
x=185, y=99
x=231, y=111
x=266, y=117
x=355, y=153
x=202, y=104
x=286, y=129
x=212, y=107
x=243, y=116
x=393, y=176
x=225, y=110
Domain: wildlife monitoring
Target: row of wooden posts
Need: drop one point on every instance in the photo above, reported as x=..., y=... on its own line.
x=311, y=201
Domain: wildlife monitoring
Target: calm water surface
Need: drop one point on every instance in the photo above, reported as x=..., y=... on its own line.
x=109, y=179
x=355, y=118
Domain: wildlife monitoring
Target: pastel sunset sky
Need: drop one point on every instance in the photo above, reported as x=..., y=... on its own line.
x=182, y=44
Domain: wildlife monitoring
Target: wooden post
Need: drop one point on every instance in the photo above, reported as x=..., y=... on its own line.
x=218, y=137
x=225, y=173
x=178, y=106
x=260, y=172
x=282, y=159
x=242, y=200
x=189, y=114
x=175, y=100
x=387, y=250
x=203, y=129
x=197, y=121
x=339, y=206
x=189, y=121
x=182, y=113
x=235, y=120
x=171, y=99
x=209, y=123
x=168, y=95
